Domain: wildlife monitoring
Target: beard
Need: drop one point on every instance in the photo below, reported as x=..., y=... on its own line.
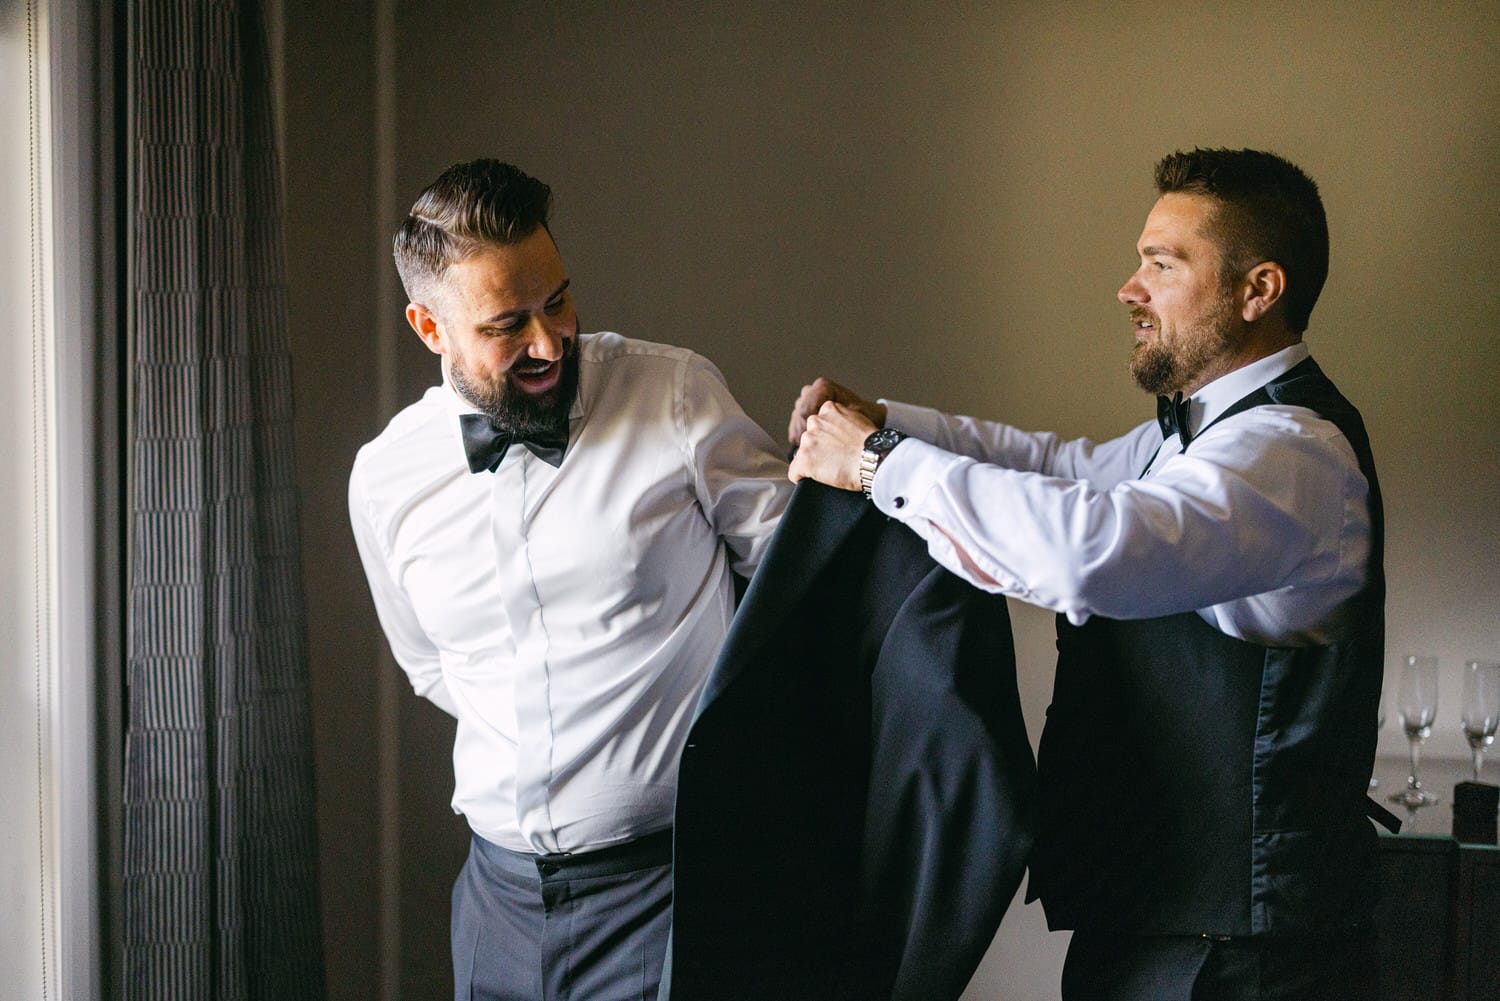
x=1175, y=359
x=511, y=408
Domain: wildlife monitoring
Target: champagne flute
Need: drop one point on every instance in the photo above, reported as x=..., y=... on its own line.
x=1481, y=711
x=1416, y=707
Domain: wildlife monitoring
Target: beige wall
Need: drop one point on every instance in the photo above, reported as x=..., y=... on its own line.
x=934, y=203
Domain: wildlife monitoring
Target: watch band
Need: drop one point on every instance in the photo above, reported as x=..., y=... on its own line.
x=868, y=462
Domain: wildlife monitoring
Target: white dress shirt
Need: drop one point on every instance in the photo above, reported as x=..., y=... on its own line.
x=569, y=616
x=1262, y=526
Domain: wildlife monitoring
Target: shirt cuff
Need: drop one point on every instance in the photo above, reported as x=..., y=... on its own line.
x=907, y=483
x=906, y=474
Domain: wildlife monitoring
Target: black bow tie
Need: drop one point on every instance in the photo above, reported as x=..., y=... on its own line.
x=486, y=445
x=1172, y=415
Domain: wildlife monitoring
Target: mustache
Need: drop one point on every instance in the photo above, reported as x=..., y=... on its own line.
x=1139, y=313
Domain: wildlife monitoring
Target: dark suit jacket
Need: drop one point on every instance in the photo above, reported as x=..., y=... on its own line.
x=856, y=800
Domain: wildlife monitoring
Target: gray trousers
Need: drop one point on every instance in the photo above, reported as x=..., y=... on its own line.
x=590, y=927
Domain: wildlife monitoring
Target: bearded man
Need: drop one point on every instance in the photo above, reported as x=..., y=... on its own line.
x=1219, y=583
x=549, y=536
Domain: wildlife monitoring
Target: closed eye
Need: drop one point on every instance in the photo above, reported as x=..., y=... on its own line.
x=559, y=298
x=503, y=329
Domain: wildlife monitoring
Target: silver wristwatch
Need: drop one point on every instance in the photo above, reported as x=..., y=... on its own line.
x=877, y=446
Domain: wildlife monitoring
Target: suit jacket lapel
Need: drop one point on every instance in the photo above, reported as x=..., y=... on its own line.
x=816, y=522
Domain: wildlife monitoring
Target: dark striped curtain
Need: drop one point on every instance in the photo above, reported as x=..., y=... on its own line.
x=220, y=857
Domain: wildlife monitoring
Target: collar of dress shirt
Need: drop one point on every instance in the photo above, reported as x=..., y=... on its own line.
x=1227, y=390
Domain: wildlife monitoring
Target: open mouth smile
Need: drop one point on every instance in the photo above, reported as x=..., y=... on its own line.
x=1143, y=323
x=537, y=377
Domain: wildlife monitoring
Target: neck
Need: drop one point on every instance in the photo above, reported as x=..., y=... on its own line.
x=1252, y=347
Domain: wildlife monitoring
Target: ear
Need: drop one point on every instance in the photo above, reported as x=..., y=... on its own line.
x=1264, y=285
x=426, y=325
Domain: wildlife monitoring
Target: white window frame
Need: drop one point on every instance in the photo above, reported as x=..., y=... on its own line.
x=63, y=555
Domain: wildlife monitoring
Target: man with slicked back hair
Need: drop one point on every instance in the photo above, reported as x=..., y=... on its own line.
x=549, y=536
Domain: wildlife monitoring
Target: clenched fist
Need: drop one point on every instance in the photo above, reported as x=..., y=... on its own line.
x=822, y=391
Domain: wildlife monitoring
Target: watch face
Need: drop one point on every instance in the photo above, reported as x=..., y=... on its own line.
x=883, y=441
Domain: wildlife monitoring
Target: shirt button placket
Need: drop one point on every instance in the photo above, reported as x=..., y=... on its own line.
x=532, y=696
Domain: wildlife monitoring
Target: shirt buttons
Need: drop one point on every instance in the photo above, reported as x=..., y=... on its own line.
x=899, y=502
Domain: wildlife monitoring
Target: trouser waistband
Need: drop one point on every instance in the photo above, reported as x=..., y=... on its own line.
x=640, y=853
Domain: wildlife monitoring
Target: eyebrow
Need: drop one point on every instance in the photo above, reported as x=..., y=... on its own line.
x=1154, y=251
x=498, y=317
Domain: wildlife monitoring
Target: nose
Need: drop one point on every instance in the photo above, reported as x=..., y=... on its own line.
x=544, y=340
x=1132, y=292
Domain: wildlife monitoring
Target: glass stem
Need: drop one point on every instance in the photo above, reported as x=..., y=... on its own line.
x=1411, y=780
x=1478, y=753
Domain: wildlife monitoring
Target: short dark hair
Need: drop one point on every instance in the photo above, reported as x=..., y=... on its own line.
x=470, y=205
x=1268, y=210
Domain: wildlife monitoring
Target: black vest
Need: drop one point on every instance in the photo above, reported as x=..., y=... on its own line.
x=1194, y=783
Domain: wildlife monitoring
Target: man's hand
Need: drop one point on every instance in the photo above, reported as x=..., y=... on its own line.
x=830, y=446
x=812, y=398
